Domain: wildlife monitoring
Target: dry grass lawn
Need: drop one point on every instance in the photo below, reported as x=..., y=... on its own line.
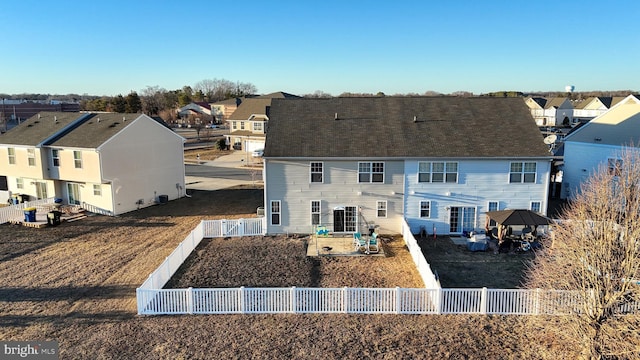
x=75, y=283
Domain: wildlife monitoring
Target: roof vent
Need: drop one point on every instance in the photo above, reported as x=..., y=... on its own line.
x=597, y=139
x=415, y=118
x=38, y=116
x=55, y=118
x=124, y=118
x=98, y=119
x=336, y=116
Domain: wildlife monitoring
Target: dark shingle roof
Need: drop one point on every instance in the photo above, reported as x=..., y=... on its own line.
x=38, y=128
x=250, y=107
x=449, y=127
x=93, y=133
x=258, y=105
x=278, y=95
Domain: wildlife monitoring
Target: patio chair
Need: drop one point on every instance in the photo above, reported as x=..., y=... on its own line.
x=374, y=245
x=359, y=243
x=322, y=231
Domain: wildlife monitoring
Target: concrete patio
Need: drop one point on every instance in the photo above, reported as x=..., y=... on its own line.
x=337, y=245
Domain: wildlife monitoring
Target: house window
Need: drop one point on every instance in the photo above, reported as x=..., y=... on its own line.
x=241, y=125
x=425, y=209
x=234, y=125
x=12, y=156
x=615, y=166
x=77, y=159
x=97, y=190
x=371, y=172
x=536, y=206
x=55, y=156
x=522, y=172
x=4, y=184
x=315, y=212
x=381, y=207
x=438, y=172
x=20, y=183
x=316, y=172
x=31, y=157
x=257, y=126
x=275, y=212
x=492, y=206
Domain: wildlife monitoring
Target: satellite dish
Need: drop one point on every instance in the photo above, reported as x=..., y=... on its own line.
x=550, y=139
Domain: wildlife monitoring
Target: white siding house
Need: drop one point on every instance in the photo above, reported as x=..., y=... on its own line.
x=550, y=112
x=451, y=196
x=352, y=163
x=599, y=143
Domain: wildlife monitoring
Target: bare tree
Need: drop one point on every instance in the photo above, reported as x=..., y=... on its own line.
x=220, y=89
x=595, y=251
x=318, y=94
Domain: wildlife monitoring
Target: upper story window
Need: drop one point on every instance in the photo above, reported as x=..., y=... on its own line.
x=31, y=157
x=234, y=125
x=77, y=159
x=257, y=126
x=371, y=172
x=438, y=172
x=316, y=172
x=12, y=155
x=241, y=125
x=55, y=157
x=614, y=166
x=97, y=189
x=522, y=172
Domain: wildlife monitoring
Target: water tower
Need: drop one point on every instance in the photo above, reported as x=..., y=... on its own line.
x=569, y=88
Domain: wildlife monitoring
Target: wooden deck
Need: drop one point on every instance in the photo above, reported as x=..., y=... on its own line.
x=41, y=219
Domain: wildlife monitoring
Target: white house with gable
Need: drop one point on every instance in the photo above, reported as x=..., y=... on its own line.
x=599, y=143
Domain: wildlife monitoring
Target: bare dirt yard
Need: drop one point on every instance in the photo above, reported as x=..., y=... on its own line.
x=458, y=267
x=75, y=283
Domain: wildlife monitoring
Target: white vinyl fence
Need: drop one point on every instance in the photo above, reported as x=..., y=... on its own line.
x=206, y=229
x=424, y=269
x=360, y=301
x=152, y=299
x=13, y=212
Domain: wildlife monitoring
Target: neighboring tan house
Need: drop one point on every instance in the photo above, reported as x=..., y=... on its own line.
x=550, y=112
x=438, y=162
x=594, y=106
x=115, y=162
x=222, y=110
x=248, y=124
x=599, y=143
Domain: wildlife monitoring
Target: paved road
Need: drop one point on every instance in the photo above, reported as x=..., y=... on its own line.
x=220, y=172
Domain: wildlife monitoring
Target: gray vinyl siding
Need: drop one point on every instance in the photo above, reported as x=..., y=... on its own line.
x=479, y=181
x=289, y=182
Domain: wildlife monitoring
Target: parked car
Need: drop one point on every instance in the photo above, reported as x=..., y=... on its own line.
x=258, y=153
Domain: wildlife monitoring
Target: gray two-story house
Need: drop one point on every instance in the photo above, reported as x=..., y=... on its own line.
x=438, y=162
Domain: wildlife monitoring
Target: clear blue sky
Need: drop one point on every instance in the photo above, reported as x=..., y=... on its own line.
x=116, y=46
